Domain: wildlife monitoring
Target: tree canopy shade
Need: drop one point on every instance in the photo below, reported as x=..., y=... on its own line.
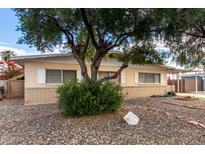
x=94, y=33
x=185, y=35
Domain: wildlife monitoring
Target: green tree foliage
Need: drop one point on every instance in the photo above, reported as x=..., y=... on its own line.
x=94, y=33
x=185, y=35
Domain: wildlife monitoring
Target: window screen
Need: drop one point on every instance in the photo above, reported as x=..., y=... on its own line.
x=104, y=74
x=149, y=77
x=157, y=78
x=53, y=76
x=68, y=75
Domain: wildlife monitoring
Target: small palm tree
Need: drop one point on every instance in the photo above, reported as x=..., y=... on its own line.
x=7, y=54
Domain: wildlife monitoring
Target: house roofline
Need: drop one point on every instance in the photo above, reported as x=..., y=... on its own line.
x=28, y=57
x=31, y=57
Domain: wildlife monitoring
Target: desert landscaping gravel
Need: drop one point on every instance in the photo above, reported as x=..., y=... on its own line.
x=43, y=124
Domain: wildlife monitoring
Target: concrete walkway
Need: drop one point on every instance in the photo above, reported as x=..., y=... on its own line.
x=199, y=94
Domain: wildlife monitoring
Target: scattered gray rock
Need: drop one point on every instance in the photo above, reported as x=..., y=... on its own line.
x=43, y=124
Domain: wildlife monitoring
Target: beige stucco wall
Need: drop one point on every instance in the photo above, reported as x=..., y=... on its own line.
x=31, y=72
x=36, y=93
x=129, y=73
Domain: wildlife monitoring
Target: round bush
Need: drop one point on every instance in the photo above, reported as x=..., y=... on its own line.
x=79, y=98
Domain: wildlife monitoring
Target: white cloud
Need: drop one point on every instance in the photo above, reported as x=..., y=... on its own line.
x=17, y=51
x=4, y=43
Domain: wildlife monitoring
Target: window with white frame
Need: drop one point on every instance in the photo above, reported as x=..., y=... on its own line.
x=102, y=74
x=59, y=76
x=149, y=77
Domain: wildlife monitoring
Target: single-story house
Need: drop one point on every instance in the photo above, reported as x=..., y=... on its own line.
x=45, y=72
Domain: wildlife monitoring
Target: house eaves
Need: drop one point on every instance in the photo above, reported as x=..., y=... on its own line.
x=29, y=57
x=22, y=59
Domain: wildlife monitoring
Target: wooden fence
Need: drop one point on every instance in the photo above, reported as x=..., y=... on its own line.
x=186, y=85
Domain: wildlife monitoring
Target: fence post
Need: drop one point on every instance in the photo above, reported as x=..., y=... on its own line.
x=177, y=82
x=196, y=84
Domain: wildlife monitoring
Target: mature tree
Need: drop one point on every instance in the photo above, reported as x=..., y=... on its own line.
x=185, y=35
x=95, y=33
x=6, y=54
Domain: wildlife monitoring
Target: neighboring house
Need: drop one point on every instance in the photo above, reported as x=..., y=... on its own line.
x=44, y=73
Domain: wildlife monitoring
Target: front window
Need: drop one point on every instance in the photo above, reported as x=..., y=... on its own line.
x=59, y=76
x=149, y=77
x=68, y=75
x=53, y=76
x=103, y=74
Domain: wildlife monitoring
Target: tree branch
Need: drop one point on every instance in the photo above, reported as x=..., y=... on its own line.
x=82, y=64
x=86, y=44
x=120, y=39
x=89, y=28
x=75, y=49
x=202, y=29
x=101, y=53
x=68, y=34
x=115, y=75
x=195, y=35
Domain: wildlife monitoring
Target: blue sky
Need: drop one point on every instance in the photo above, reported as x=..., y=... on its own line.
x=9, y=36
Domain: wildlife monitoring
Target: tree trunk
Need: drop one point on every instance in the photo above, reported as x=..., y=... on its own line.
x=84, y=72
x=83, y=66
x=96, y=64
x=94, y=72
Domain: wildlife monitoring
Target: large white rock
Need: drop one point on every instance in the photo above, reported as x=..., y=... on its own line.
x=131, y=118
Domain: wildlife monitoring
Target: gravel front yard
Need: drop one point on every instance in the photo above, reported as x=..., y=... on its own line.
x=43, y=124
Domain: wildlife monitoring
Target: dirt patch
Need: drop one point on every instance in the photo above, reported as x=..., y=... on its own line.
x=187, y=98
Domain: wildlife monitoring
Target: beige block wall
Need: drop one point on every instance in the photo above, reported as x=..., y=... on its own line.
x=49, y=95
x=46, y=93
x=15, y=88
x=145, y=91
x=40, y=95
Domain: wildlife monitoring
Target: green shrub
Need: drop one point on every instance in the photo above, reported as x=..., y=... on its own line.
x=79, y=98
x=171, y=93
